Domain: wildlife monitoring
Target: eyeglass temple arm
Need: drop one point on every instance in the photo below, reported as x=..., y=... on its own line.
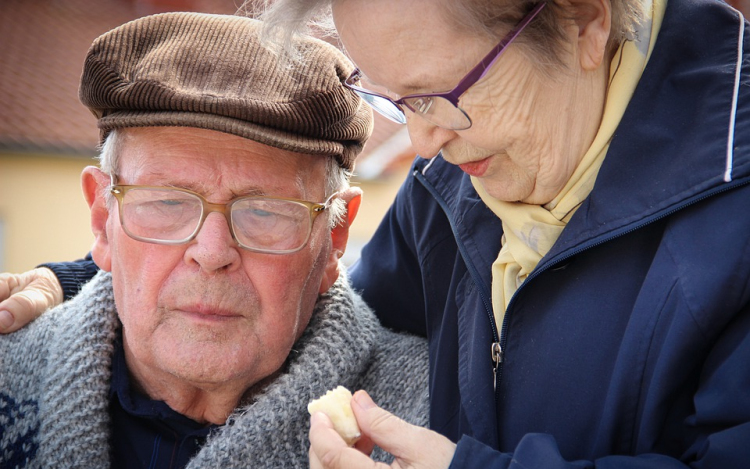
x=326, y=204
x=478, y=72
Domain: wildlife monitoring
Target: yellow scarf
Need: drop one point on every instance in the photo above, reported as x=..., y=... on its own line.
x=531, y=230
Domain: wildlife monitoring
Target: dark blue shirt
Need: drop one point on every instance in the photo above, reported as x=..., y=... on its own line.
x=148, y=433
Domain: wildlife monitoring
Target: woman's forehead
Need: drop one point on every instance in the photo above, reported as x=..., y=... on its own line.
x=405, y=55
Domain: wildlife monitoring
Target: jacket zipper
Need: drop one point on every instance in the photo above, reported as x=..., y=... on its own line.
x=497, y=359
x=469, y=265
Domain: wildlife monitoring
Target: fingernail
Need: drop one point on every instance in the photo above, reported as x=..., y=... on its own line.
x=364, y=400
x=6, y=319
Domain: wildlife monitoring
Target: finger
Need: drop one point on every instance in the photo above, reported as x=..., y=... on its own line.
x=411, y=445
x=365, y=444
x=329, y=451
x=7, y=320
x=8, y=282
x=383, y=428
x=26, y=296
x=325, y=442
x=46, y=282
x=314, y=461
x=18, y=310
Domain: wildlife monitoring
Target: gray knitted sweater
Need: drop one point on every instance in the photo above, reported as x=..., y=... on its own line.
x=55, y=376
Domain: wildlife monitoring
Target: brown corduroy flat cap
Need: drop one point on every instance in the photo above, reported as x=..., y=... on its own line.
x=213, y=72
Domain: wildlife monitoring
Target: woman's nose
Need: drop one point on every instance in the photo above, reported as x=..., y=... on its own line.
x=427, y=138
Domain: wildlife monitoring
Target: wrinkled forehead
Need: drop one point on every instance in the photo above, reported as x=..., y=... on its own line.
x=217, y=164
x=410, y=48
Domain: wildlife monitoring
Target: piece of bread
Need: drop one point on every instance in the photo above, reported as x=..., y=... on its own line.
x=336, y=404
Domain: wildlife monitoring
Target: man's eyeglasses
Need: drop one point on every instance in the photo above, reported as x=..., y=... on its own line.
x=440, y=109
x=166, y=215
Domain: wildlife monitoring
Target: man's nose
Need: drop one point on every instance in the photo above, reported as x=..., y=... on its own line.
x=214, y=249
x=427, y=139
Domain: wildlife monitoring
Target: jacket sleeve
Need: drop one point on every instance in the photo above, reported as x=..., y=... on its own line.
x=73, y=275
x=388, y=274
x=728, y=450
x=539, y=451
x=716, y=435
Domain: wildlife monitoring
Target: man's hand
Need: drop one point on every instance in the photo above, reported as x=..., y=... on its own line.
x=413, y=447
x=23, y=297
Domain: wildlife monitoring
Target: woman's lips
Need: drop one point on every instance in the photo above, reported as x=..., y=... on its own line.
x=476, y=168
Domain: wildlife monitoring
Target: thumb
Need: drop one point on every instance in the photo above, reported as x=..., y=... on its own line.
x=384, y=428
x=26, y=296
x=18, y=310
x=412, y=446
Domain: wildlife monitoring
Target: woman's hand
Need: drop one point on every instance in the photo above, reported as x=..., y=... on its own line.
x=23, y=297
x=413, y=447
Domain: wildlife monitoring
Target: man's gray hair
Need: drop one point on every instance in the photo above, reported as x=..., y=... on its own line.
x=545, y=35
x=337, y=178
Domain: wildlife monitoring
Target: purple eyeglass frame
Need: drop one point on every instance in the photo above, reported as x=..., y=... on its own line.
x=474, y=75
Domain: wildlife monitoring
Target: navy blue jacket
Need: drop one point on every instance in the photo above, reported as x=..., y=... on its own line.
x=629, y=345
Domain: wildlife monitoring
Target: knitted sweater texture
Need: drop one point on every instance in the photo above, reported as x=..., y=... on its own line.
x=55, y=379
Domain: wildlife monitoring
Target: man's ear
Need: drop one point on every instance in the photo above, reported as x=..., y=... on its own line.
x=339, y=237
x=94, y=182
x=594, y=21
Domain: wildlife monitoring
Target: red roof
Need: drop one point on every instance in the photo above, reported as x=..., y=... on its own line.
x=44, y=43
x=43, y=47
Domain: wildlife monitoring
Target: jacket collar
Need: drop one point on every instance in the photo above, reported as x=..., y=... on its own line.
x=681, y=138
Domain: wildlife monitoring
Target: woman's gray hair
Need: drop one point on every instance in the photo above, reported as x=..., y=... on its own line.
x=337, y=178
x=544, y=36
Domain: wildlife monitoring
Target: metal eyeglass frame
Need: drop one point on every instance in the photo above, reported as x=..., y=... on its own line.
x=474, y=75
x=119, y=191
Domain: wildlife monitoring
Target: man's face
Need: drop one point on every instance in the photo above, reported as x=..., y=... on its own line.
x=208, y=312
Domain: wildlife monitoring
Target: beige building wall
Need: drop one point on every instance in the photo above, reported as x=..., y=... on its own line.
x=43, y=215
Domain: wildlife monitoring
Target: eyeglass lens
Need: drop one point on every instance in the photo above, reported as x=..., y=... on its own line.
x=384, y=106
x=173, y=216
x=434, y=109
x=439, y=111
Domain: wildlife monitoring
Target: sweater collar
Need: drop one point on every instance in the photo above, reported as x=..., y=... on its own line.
x=335, y=348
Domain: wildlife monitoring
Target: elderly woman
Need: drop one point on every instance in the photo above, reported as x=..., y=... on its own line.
x=573, y=242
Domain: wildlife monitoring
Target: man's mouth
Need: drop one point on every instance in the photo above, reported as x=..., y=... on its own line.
x=209, y=312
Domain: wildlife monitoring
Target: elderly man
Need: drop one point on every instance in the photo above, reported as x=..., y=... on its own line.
x=220, y=212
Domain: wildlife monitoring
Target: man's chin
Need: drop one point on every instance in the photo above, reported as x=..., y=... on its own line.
x=205, y=356
x=206, y=371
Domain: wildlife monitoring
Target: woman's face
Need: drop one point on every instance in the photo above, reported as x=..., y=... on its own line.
x=530, y=128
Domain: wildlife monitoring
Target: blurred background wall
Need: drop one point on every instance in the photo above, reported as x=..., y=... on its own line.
x=47, y=137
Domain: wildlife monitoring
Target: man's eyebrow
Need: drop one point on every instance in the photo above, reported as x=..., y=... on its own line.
x=253, y=191
x=206, y=188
